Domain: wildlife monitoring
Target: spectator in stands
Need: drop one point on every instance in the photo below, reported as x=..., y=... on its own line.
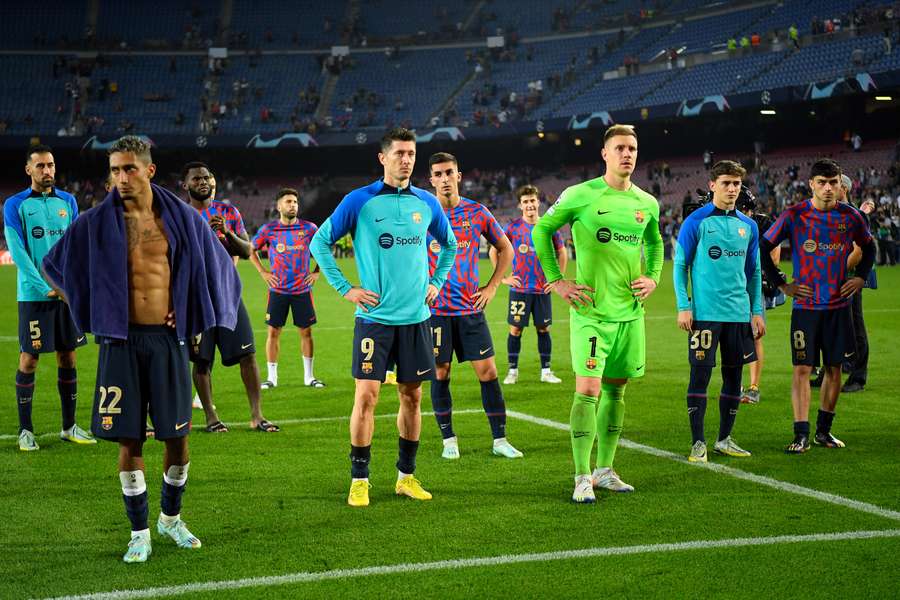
x=794, y=36
x=745, y=44
x=755, y=41
x=856, y=140
x=732, y=45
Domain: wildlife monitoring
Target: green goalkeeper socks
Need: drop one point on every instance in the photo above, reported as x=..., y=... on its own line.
x=610, y=416
x=583, y=422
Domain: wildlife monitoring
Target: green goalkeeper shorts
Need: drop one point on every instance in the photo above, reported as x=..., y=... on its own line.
x=607, y=348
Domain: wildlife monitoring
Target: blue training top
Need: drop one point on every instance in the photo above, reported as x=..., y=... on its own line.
x=720, y=249
x=389, y=227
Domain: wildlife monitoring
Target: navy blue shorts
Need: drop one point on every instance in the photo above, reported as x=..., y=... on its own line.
x=523, y=306
x=467, y=336
x=47, y=326
x=828, y=333
x=734, y=341
x=300, y=305
x=148, y=373
x=232, y=345
x=407, y=346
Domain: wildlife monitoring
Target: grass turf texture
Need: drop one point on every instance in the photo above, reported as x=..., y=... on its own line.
x=273, y=504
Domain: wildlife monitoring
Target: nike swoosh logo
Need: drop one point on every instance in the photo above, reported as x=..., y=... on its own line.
x=483, y=352
x=245, y=346
x=579, y=434
x=546, y=320
x=380, y=220
x=849, y=355
x=418, y=372
x=182, y=426
x=31, y=214
x=748, y=355
x=603, y=212
x=639, y=368
x=79, y=340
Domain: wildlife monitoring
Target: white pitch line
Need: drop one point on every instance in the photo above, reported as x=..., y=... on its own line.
x=488, y=561
x=242, y=425
x=726, y=470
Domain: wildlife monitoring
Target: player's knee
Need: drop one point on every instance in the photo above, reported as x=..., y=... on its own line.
x=410, y=394
x=487, y=372
x=130, y=449
x=306, y=333
x=28, y=362
x=442, y=371
x=543, y=329
x=274, y=332
x=201, y=368
x=802, y=370
x=515, y=331
x=65, y=360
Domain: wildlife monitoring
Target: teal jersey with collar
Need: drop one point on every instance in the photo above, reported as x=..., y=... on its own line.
x=719, y=251
x=33, y=223
x=389, y=228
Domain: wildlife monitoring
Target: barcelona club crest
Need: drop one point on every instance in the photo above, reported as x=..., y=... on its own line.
x=62, y=213
x=366, y=368
x=466, y=224
x=106, y=423
x=842, y=227
x=700, y=354
x=36, y=344
x=639, y=216
x=417, y=217
x=591, y=363
x=742, y=232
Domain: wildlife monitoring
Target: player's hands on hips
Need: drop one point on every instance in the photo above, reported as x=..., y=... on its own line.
x=758, y=323
x=685, y=320
x=512, y=280
x=575, y=294
x=642, y=287
x=431, y=295
x=170, y=319
x=852, y=285
x=312, y=278
x=797, y=290
x=270, y=278
x=362, y=298
x=483, y=296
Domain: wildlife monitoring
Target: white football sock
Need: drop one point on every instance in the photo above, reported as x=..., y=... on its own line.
x=272, y=368
x=307, y=369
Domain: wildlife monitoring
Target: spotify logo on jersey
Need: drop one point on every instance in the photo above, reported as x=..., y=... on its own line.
x=385, y=240
x=715, y=252
x=604, y=235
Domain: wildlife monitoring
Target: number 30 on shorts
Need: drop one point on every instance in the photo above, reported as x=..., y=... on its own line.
x=701, y=338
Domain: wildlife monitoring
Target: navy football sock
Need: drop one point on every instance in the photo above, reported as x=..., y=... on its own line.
x=696, y=401
x=729, y=400
x=545, y=346
x=24, y=394
x=442, y=403
x=359, y=461
x=134, y=493
x=824, y=421
x=494, y=407
x=513, y=348
x=406, y=461
x=67, y=384
x=174, y=481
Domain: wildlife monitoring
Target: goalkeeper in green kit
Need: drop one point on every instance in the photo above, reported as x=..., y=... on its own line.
x=611, y=220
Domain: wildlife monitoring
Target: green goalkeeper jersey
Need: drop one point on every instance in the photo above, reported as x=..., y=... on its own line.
x=608, y=228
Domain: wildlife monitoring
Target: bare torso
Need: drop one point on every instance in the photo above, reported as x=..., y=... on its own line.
x=149, y=277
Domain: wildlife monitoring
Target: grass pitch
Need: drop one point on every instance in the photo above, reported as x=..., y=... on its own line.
x=275, y=504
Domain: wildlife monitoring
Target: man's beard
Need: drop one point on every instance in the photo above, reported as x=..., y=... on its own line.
x=198, y=196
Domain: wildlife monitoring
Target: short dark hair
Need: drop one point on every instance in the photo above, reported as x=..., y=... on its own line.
x=825, y=167
x=441, y=157
x=134, y=144
x=398, y=134
x=287, y=192
x=194, y=164
x=37, y=149
x=528, y=190
x=619, y=130
x=727, y=167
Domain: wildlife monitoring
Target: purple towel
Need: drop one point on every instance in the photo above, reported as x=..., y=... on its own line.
x=90, y=266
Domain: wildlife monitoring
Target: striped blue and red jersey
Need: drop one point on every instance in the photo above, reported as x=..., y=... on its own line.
x=470, y=220
x=821, y=241
x=525, y=264
x=288, y=253
x=229, y=212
